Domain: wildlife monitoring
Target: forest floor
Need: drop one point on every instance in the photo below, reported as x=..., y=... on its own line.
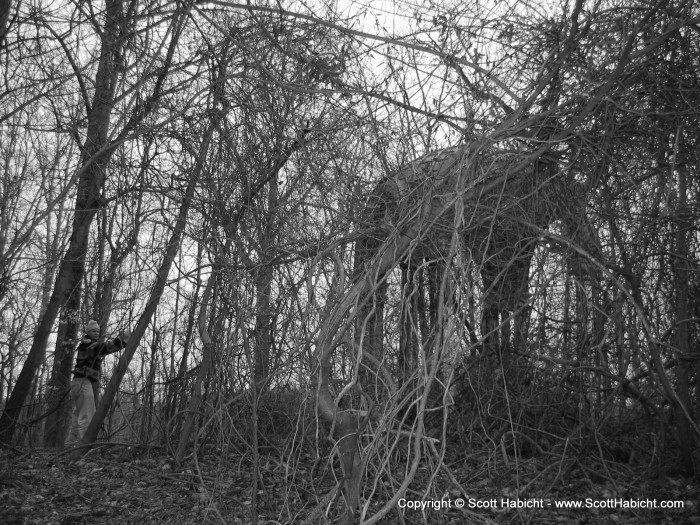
x=120, y=485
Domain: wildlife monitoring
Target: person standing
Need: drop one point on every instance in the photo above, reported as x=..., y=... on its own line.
x=88, y=364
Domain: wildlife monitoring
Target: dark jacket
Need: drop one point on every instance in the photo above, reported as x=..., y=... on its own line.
x=90, y=354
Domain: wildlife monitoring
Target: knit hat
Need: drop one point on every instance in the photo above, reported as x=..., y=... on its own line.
x=92, y=325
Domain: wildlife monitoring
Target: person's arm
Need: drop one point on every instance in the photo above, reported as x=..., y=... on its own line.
x=116, y=344
x=106, y=348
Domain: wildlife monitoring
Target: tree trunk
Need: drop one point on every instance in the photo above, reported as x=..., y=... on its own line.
x=175, y=394
x=58, y=396
x=96, y=156
x=149, y=392
x=207, y=360
x=5, y=8
x=408, y=343
x=263, y=325
x=681, y=334
x=263, y=284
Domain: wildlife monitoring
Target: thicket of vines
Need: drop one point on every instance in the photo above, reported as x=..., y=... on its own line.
x=235, y=184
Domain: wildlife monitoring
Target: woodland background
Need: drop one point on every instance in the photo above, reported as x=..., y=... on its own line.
x=203, y=173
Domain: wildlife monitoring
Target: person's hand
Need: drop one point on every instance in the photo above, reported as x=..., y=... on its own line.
x=124, y=336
